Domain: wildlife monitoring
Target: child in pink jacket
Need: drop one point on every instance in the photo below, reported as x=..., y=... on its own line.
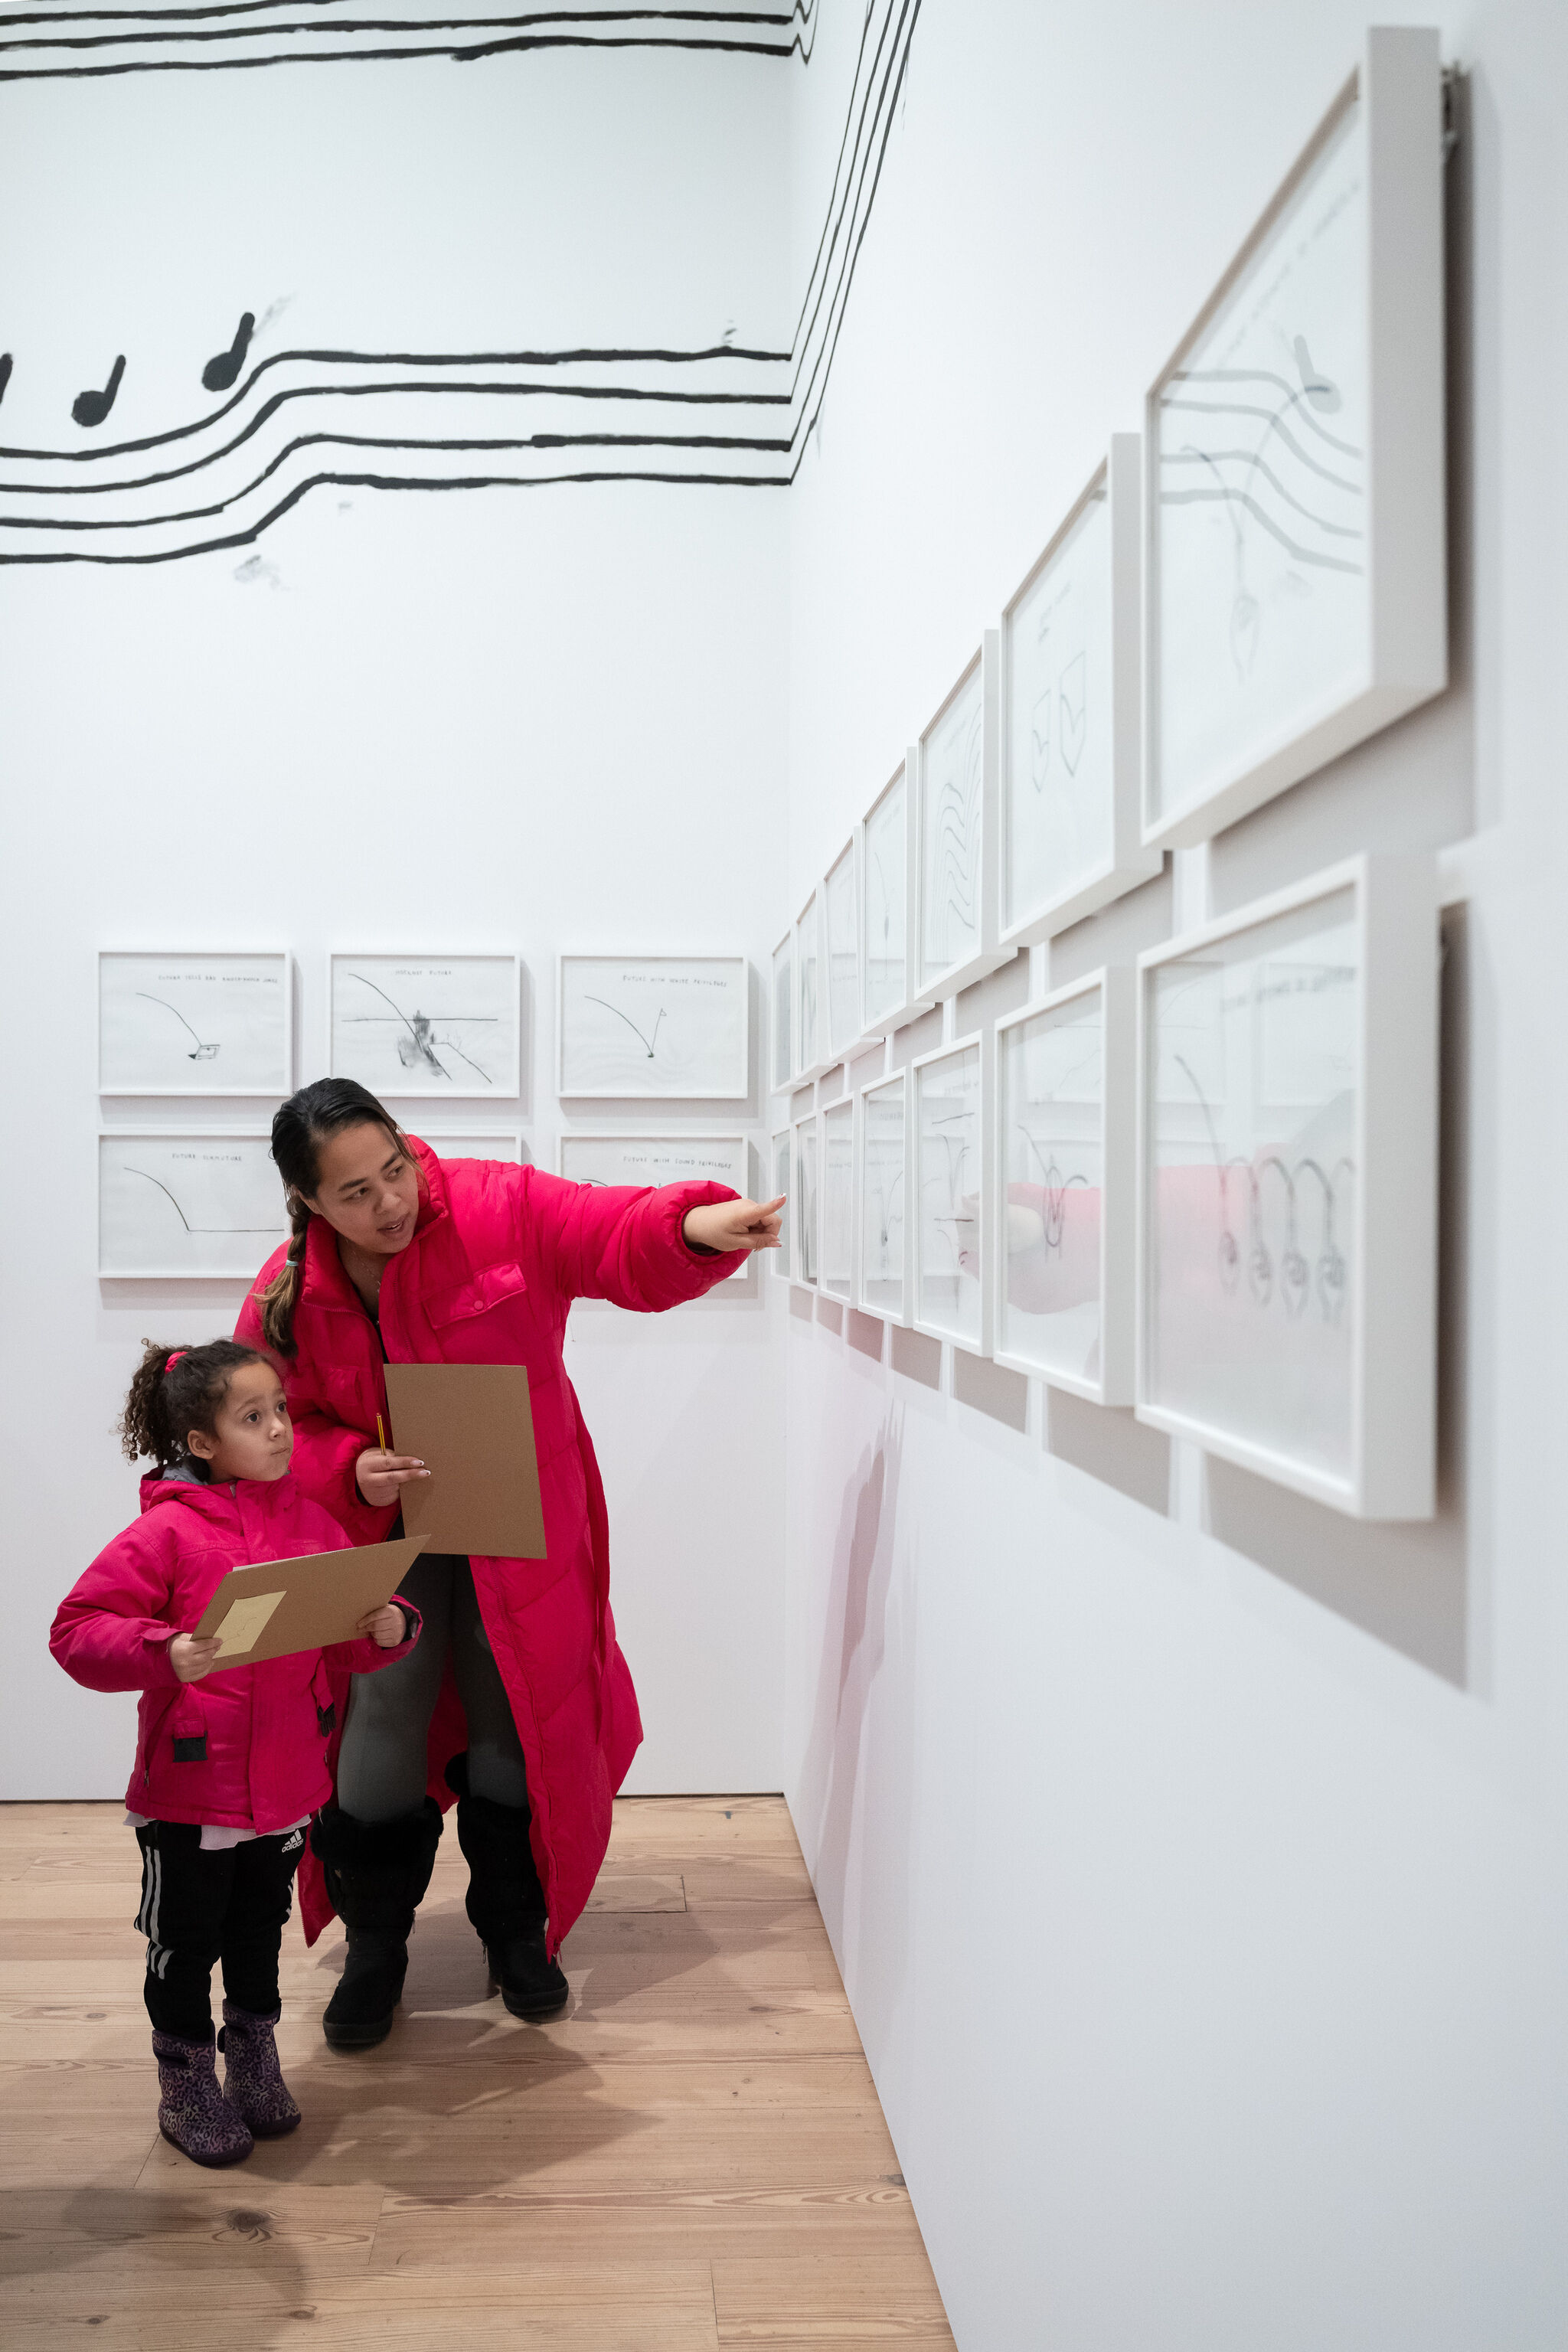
x=231, y=1762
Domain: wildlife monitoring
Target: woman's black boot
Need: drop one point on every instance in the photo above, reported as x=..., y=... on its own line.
x=506, y=1903
x=376, y=1873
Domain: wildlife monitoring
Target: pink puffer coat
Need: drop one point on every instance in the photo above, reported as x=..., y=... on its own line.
x=498, y=1253
x=247, y=1746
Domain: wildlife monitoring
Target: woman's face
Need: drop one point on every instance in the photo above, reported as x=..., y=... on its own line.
x=369, y=1189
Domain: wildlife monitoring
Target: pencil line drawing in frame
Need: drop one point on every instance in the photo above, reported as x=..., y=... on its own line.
x=783, y=1035
x=427, y=1024
x=177, y=1023
x=1071, y=715
x=781, y=1180
x=806, y=1201
x=639, y=1160
x=177, y=1206
x=884, y=1258
x=504, y=1145
x=1294, y=563
x=952, y=1138
x=1065, y=1096
x=1287, y=1156
x=810, y=1013
x=837, y=1272
x=673, y=1028
x=889, y=888
x=955, y=927
x=841, y=923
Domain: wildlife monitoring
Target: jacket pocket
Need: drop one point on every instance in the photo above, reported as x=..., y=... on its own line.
x=188, y=1733
x=494, y=1286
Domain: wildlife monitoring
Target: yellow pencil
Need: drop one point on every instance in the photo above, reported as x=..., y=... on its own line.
x=381, y=1432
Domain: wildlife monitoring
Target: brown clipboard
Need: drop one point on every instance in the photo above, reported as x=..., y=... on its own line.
x=472, y=1427
x=280, y=1606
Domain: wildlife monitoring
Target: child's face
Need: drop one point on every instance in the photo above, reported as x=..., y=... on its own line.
x=254, y=1438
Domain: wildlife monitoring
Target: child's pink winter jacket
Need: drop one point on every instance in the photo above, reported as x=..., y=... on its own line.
x=245, y=1746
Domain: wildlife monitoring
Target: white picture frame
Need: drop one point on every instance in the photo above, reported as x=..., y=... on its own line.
x=503, y=1144
x=659, y=1028
x=836, y=1263
x=780, y=1032
x=180, y=1022
x=955, y=900
x=804, y=1253
x=890, y=891
x=953, y=1133
x=1294, y=513
x=187, y=1204
x=422, y=1027
x=811, y=1052
x=884, y=1253
x=623, y=1158
x=780, y=1179
x=1066, y=1092
x=1069, y=798
x=1287, y=1211
x=841, y=949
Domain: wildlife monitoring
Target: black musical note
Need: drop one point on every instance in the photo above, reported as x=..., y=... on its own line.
x=92, y=407
x=221, y=370
x=4, y=371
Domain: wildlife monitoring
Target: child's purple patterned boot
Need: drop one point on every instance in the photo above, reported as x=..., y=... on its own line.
x=193, y=2114
x=253, y=2080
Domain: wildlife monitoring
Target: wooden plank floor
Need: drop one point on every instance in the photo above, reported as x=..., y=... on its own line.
x=692, y=2158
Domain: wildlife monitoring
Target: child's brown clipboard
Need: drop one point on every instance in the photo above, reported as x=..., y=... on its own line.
x=280, y=1606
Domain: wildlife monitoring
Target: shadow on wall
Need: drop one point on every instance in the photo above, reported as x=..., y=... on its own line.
x=1407, y=1583
x=873, y=1882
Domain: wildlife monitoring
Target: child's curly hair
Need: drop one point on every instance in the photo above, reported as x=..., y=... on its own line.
x=177, y=1390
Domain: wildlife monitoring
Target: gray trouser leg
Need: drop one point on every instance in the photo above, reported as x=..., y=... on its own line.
x=382, y=1764
x=496, y=1768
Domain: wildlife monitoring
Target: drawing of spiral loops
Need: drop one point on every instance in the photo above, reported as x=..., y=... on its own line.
x=1332, y=1277
x=1295, y=1280
x=1229, y=1260
x=958, y=838
x=1260, y=1273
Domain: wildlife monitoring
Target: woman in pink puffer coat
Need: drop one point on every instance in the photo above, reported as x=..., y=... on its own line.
x=518, y=1700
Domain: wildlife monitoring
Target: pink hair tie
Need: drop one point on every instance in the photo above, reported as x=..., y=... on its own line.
x=173, y=1360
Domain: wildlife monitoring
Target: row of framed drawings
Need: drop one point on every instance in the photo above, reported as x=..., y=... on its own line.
x=671, y=1028
x=1245, y=590
x=1205, y=1186
x=176, y=1206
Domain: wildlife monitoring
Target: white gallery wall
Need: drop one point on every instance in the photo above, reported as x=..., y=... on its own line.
x=527, y=720
x=1194, y=1856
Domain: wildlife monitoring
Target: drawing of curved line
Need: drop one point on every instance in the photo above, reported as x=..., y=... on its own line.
x=804, y=9
x=452, y=1046
x=647, y=1045
x=1275, y=424
x=428, y=1051
x=1294, y=395
x=192, y=24
x=127, y=1170
x=174, y=1010
x=1218, y=457
x=470, y=52
x=1240, y=497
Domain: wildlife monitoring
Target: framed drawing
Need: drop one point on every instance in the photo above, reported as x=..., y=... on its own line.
x=1294, y=453
x=671, y=1027
x=953, y=1141
x=1287, y=1216
x=889, y=890
x=883, y=1261
x=783, y=1033
x=176, y=1207
x=811, y=1055
x=780, y=1179
x=804, y=1253
x=1066, y=1218
x=841, y=914
x=837, y=1272
x=419, y=1025
x=659, y=1160
x=500, y=1146
x=956, y=903
x=1071, y=704
x=180, y=1024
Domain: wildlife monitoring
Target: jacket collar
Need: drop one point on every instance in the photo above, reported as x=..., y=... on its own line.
x=326, y=1285
x=221, y=1500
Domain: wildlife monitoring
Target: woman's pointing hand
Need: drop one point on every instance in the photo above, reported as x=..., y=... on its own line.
x=726, y=1225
